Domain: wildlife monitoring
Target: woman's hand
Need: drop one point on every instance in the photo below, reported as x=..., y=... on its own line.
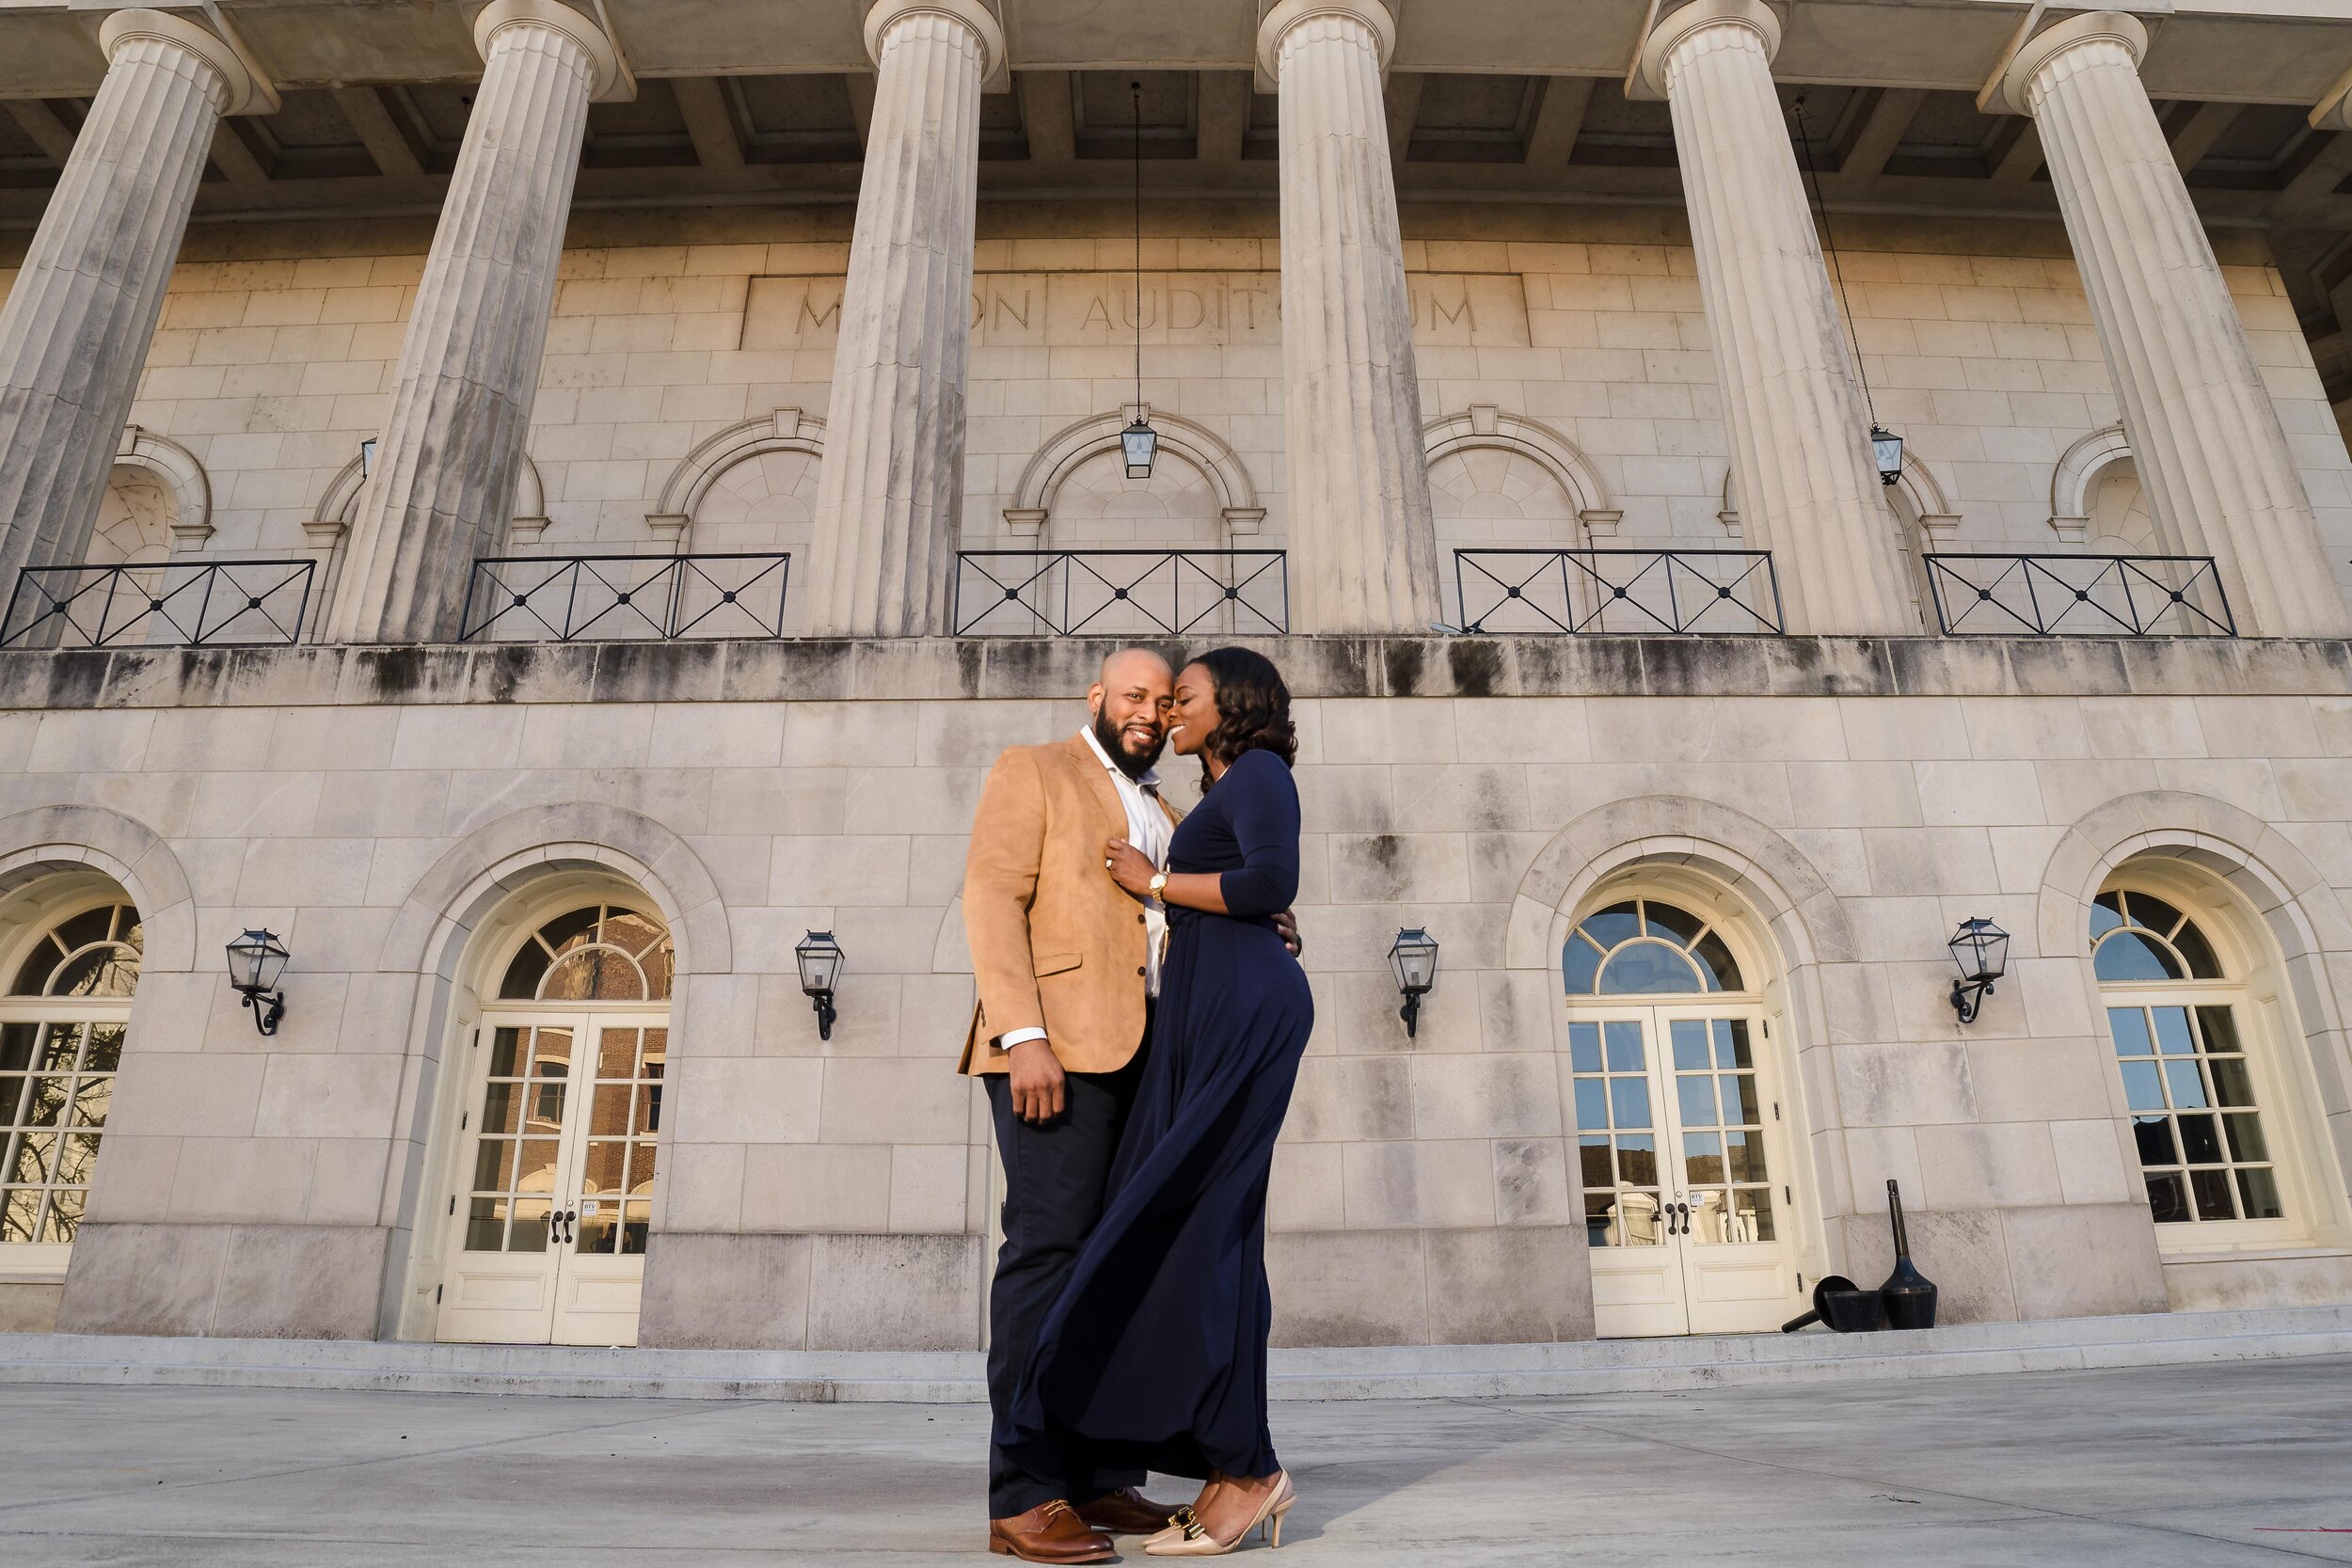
x=1129, y=866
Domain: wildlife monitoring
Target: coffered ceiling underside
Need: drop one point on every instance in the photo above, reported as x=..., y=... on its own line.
x=378, y=150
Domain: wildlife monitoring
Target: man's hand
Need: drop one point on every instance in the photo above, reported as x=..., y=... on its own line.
x=1037, y=1082
x=1287, y=923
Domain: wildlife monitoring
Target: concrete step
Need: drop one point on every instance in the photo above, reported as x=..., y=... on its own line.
x=1376, y=1372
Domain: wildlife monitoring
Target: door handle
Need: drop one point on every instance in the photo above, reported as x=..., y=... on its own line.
x=1682, y=1211
x=572, y=1214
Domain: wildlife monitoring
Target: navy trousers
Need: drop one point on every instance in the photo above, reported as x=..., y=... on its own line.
x=1055, y=1179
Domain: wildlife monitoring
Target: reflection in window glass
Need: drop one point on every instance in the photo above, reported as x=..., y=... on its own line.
x=57, y=1067
x=1644, y=947
x=596, y=953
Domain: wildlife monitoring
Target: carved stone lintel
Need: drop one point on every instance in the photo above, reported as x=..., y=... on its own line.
x=1025, y=522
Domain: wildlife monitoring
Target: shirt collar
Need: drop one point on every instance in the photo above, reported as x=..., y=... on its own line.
x=1148, y=779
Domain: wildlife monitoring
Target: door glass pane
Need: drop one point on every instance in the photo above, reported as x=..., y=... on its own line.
x=2260, y=1192
x=1695, y=1096
x=1623, y=1035
x=1622, y=1204
x=1584, y=1047
x=513, y=1168
x=2129, y=1026
x=1723, y=1161
x=1629, y=1098
x=2179, y=1064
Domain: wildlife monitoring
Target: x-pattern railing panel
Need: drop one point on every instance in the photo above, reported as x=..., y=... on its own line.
x=662, y=598
x=1121, y=592
x=1632, y=593
x=2079, y=595
x=208, y=604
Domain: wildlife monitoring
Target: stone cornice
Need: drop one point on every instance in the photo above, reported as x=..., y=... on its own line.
x=946, y=668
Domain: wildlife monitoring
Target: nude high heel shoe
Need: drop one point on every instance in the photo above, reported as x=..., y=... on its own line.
x=1195, y=1541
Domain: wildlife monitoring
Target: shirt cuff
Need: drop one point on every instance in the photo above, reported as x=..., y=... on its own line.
x=1018, y=1036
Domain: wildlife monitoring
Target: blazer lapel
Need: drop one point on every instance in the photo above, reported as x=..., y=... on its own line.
x=1098, y=784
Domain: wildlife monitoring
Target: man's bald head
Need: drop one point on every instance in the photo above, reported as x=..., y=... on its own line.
x=1130, y=702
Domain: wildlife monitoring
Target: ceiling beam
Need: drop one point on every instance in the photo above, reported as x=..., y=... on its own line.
x=1048, y=116
x=702, y=103
x=2201, y=131
x=1552, y=140
x=1889, y=118
x=1224, y=115
x=235, y=161
x=40, y=122
x=379, y=133
x=2018, y=166
x=1404, y=109
x=2318, y=180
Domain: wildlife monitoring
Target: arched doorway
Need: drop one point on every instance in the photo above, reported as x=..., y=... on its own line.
x=552, y=1195
x=1678, y=1083
x=2228, y=1155
x=70, y=951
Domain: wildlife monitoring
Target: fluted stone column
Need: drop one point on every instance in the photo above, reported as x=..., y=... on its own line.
x=74, y=334
x=891, y=487
x=1809, y=491
x=452, y=444
x=1363, y=550
x=2205, y=436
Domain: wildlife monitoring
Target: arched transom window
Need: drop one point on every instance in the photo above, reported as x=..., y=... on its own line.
x=1644, y=947
x=596, y=953
x=2178, y=1020
x=61, y=1026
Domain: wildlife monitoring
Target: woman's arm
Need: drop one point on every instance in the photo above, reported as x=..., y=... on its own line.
x=1263, y=810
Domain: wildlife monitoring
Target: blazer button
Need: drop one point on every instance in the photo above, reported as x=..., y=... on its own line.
x=1141, y=969
x=1141, y=921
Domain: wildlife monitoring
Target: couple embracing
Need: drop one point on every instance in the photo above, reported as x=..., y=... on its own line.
x=1141, y=1015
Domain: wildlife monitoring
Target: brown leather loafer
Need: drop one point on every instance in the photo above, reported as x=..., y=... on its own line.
x=1050, y=1532
x=1125, y=1512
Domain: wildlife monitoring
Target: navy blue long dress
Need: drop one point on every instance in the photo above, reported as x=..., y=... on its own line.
x=1155, y=1350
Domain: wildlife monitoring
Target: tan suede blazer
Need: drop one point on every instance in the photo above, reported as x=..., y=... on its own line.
x=1055, y=944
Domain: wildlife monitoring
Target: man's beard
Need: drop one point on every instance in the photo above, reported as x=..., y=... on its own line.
x=1114, y=745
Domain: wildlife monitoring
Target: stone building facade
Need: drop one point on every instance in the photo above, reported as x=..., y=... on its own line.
x=405, y=414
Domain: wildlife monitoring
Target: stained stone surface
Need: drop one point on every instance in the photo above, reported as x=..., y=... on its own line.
x=2195, y=1466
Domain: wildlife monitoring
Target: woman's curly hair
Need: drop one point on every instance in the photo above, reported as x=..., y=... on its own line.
x=1253, y=708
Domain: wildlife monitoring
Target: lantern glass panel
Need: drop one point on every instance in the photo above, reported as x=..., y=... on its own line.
x=255, y=961
x=1414, y=958
x=1141, y=443
x=1887, y=448
x=1980, y=949
x=819, y=959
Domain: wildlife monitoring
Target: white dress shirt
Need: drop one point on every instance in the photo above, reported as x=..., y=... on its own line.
x=1149, y=830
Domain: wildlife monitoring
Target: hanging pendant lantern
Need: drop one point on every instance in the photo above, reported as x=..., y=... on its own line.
x=1887, y=448
x=1139, y=442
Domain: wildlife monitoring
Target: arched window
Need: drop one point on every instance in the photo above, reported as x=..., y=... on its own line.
x=1643, y=947
x=596, y=953
x=2178, y=1019
x=61, y=1026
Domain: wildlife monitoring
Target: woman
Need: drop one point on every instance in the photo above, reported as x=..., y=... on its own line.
x=1155, y=1350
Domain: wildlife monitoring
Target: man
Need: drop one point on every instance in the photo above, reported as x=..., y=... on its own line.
x=1067, y=965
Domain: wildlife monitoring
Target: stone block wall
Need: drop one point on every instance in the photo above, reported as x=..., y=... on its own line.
x=276, y=353
x=1854, y=798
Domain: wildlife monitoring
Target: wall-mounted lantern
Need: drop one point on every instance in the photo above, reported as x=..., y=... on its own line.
x=256, y=959
x=1980, y=949
x=819, y=957
x=367, y=458
x=1414, y=958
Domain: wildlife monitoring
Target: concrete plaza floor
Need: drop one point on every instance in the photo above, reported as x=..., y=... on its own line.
x=2240, y=1463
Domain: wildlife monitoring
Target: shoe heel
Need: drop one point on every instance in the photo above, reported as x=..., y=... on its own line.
x=1274, y=1527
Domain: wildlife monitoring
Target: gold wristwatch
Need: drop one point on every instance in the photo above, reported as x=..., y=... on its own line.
x=1159, y=887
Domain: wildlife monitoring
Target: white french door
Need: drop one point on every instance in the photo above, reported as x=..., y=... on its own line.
x=554, y=1190
x=1680, y=1142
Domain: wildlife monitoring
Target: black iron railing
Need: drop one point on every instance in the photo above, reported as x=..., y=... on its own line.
x=1635, y=593
x=2079, y=595
x=210, y=604
x=1121, y=592
x=665, y=598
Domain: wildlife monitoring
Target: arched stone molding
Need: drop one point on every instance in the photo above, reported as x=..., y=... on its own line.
x=47, y=839
x=785, y=430
x=1033, y=495
x=183, y=478
x=1780, y=884
x=330, y=521
x=1486, y=425
x=2080, y=467
x=2288, y=895
x=1918, y=486
x=429, y=933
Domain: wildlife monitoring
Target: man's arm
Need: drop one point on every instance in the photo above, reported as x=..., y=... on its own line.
x=1000, y=873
